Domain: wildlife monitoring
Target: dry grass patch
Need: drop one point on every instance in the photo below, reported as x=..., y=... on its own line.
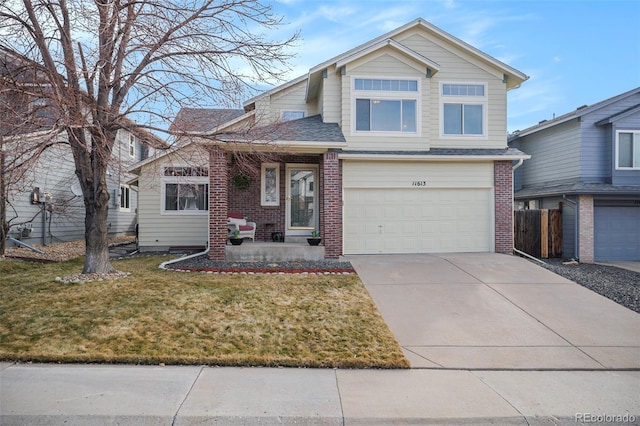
x=155, y=316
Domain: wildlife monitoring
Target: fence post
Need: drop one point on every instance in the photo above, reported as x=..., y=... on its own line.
x=544, y=233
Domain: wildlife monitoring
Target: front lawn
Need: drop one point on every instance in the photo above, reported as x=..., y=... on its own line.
x=155, y=316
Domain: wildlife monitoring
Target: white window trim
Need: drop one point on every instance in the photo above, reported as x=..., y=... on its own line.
x=283, y=111
x=182, y=180
x=390, y=96
x=263, y=187
x=465, y=100
x=636, y=133
x=128, y=192
x=132, y=146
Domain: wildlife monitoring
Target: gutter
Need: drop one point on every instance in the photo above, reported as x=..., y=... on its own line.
x=423, y=157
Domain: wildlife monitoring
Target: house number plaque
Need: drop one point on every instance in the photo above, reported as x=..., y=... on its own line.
x=419, y=183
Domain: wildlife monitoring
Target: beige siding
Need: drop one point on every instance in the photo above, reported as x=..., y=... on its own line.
x=291, y=99
x=457, y=66
x=160, y=230
x=387, y=64
x=331, y=96
x=401, y=174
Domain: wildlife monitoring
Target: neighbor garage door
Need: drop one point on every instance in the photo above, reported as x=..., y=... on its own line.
x=617, y=233
x=417, y=208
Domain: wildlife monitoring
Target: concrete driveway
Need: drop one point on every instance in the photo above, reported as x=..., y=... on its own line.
x=487, y=310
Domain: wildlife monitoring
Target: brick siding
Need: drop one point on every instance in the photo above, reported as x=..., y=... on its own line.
x=247, y=201
x=331, y=206
x=218, y=184
x=586, y=229
x=503, y=187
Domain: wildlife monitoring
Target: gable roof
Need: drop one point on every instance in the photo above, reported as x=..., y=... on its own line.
x=307, y=129
x=579, y=112
x=514, y=77
x=619, y=115
x=203, y=120
x=428, y=63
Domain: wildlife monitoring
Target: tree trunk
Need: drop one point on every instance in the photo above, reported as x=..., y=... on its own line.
x=91, y=169
x=4, y=223
x=96, y=237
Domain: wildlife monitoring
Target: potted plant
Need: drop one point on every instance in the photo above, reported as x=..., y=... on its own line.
x=315, y=238
x=235, y=239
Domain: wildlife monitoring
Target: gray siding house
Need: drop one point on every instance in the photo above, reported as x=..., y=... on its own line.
x=47, y=206
x=43, y=198
x=587, y=161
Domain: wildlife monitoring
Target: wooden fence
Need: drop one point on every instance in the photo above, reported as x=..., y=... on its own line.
x=538, y=232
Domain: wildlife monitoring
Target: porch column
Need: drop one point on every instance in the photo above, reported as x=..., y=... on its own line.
x=332, y=205
x=218, y=200
x=503, y=189
x=585, y=229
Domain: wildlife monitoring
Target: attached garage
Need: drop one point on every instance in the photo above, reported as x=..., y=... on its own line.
x=418, y=207
x=617, y=233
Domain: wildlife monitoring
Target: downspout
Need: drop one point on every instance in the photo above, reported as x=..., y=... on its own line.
x=163, y=265
x=44, y=222
x=513, y=169
x=575, y=225
x=518, y=164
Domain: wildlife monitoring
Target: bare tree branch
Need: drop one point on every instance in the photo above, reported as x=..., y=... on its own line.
x=105, y=62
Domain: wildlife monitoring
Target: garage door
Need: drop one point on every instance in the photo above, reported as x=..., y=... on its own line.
x=617, y=233
x=441, y=213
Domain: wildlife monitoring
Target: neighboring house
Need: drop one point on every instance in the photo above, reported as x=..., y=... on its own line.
x=589, y=161
x=396, y=146
x=47, y=201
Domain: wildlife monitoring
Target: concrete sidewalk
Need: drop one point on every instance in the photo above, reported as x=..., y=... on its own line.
x=139, y=395
x=492, y=339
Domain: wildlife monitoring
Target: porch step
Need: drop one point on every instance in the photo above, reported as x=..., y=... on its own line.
x=273, y=252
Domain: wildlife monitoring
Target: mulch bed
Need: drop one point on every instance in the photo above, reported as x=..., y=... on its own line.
x=205, y=265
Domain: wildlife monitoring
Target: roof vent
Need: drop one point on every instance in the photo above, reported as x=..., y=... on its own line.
x=543, y=121
x=581, y=107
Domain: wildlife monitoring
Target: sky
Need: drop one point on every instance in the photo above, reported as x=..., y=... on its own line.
x=576, y=52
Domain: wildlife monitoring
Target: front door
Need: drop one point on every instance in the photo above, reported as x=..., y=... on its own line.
x=302, y=200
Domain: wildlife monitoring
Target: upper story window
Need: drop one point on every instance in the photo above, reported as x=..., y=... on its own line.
x=463, y=109
x=292, y=115
x=185, y=190
x=132, y=146
x=627, y=150
x=386, y=105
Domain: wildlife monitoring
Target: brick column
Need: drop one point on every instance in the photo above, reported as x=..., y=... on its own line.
x=331, y=220
x=218, y=200
x=585, y=229
x=503, y=188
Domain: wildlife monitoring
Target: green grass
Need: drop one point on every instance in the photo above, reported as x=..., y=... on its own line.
x=155, y=316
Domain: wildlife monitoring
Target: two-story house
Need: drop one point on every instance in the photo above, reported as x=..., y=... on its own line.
x=588, y=160
x=43, y=199
x=396, y=146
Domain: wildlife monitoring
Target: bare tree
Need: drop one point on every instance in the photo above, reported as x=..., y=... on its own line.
x=26, y=131
x=106, y=60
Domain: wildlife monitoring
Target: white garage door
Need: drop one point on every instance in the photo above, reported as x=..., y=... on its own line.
x=426, y=218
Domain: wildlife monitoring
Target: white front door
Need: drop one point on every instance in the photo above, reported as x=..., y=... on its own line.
x=302, y=200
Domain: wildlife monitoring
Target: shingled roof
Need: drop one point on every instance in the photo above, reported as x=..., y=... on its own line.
x=307, y=129
x=202, y=120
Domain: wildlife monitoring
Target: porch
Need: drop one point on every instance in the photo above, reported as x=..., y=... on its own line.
x=262, y=251
x=290, y=195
